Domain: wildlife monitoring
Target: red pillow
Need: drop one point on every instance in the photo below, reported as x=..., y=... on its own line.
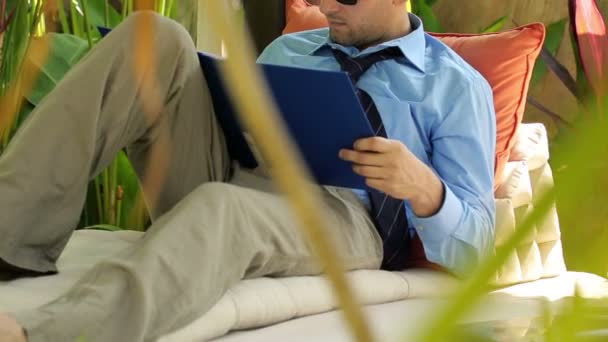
x=505, y=59
x=301, y=16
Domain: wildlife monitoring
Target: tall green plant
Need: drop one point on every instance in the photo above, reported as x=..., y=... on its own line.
x=114, y=197
x=21, y=20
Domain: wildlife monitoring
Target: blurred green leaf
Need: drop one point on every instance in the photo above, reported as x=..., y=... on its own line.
x=8, y=12
x=97, y=11
x=66, y=50
x=127, y=178
x=496, y=25
x=553, y=40
x=10, y=4
x=422, y=9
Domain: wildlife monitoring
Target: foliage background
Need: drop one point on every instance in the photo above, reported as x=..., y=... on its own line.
x=584, y=223
x=114, y=199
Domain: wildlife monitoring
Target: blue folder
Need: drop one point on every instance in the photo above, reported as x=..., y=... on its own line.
x=320, y=109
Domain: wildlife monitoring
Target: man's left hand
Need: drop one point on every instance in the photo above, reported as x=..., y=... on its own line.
x=389, y=166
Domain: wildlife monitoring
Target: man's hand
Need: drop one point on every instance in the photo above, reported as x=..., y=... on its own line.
x=389, y=166
x=10, y=331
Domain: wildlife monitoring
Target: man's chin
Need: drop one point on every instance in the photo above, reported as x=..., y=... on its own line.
x=339, y=38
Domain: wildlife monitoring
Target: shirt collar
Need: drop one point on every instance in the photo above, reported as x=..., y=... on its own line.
x=412, y=45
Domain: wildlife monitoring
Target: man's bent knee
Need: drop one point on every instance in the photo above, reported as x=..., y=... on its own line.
x=165, y=30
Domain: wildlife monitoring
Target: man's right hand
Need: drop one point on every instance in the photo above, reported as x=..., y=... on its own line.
x=10, y=330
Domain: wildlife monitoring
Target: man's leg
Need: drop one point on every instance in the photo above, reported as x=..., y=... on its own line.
x=216, y=236
x=78, y=129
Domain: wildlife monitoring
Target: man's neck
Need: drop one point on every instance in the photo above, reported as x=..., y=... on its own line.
x=401, y=29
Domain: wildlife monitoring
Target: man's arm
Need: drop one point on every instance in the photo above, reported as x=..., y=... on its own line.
x=452, y=198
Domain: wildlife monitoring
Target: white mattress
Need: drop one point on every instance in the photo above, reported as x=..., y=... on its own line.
x=391, y=297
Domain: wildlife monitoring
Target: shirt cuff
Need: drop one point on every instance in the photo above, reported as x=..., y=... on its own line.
x=435, y=229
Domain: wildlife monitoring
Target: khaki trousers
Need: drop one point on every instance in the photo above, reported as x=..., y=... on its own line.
x=212, y=225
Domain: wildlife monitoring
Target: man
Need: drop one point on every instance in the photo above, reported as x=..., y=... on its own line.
x=215, y=224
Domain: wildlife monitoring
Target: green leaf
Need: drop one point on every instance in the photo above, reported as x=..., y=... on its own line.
x=422, y=9
x=127, y=178
x=66, y=50
x=96, y=11
x=553, y=40
x=10, y=5
x=496, y=26
x=14, y=45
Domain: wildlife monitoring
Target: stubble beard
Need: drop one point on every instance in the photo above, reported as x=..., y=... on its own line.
x=350, y=38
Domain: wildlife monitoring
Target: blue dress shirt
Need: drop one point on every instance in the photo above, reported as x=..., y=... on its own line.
x=442, y=110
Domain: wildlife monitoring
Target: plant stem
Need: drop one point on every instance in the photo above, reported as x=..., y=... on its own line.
x=37, y=19
x=163, y=8
x=106, y=13
x=3, y=22
x=98, y=198
x=106, y=196
x=87, y=27
x=63, y=18
x=75, y=22
x=119, y=196
x=113, y=191
x=125, y=7
x=171, y=9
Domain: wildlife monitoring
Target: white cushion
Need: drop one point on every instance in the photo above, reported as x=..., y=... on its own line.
x=517, y=185
x=531, y=145
x=527, y=177
x=263, y=301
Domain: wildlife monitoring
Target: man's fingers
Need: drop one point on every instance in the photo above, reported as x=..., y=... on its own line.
x=374, y=172
x=374, y=144
x=362, y=158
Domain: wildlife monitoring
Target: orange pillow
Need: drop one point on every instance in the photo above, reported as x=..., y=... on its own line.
x=301, y=16
x=505, y=59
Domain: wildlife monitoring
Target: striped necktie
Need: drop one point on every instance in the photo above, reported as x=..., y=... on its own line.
x=387, y=213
